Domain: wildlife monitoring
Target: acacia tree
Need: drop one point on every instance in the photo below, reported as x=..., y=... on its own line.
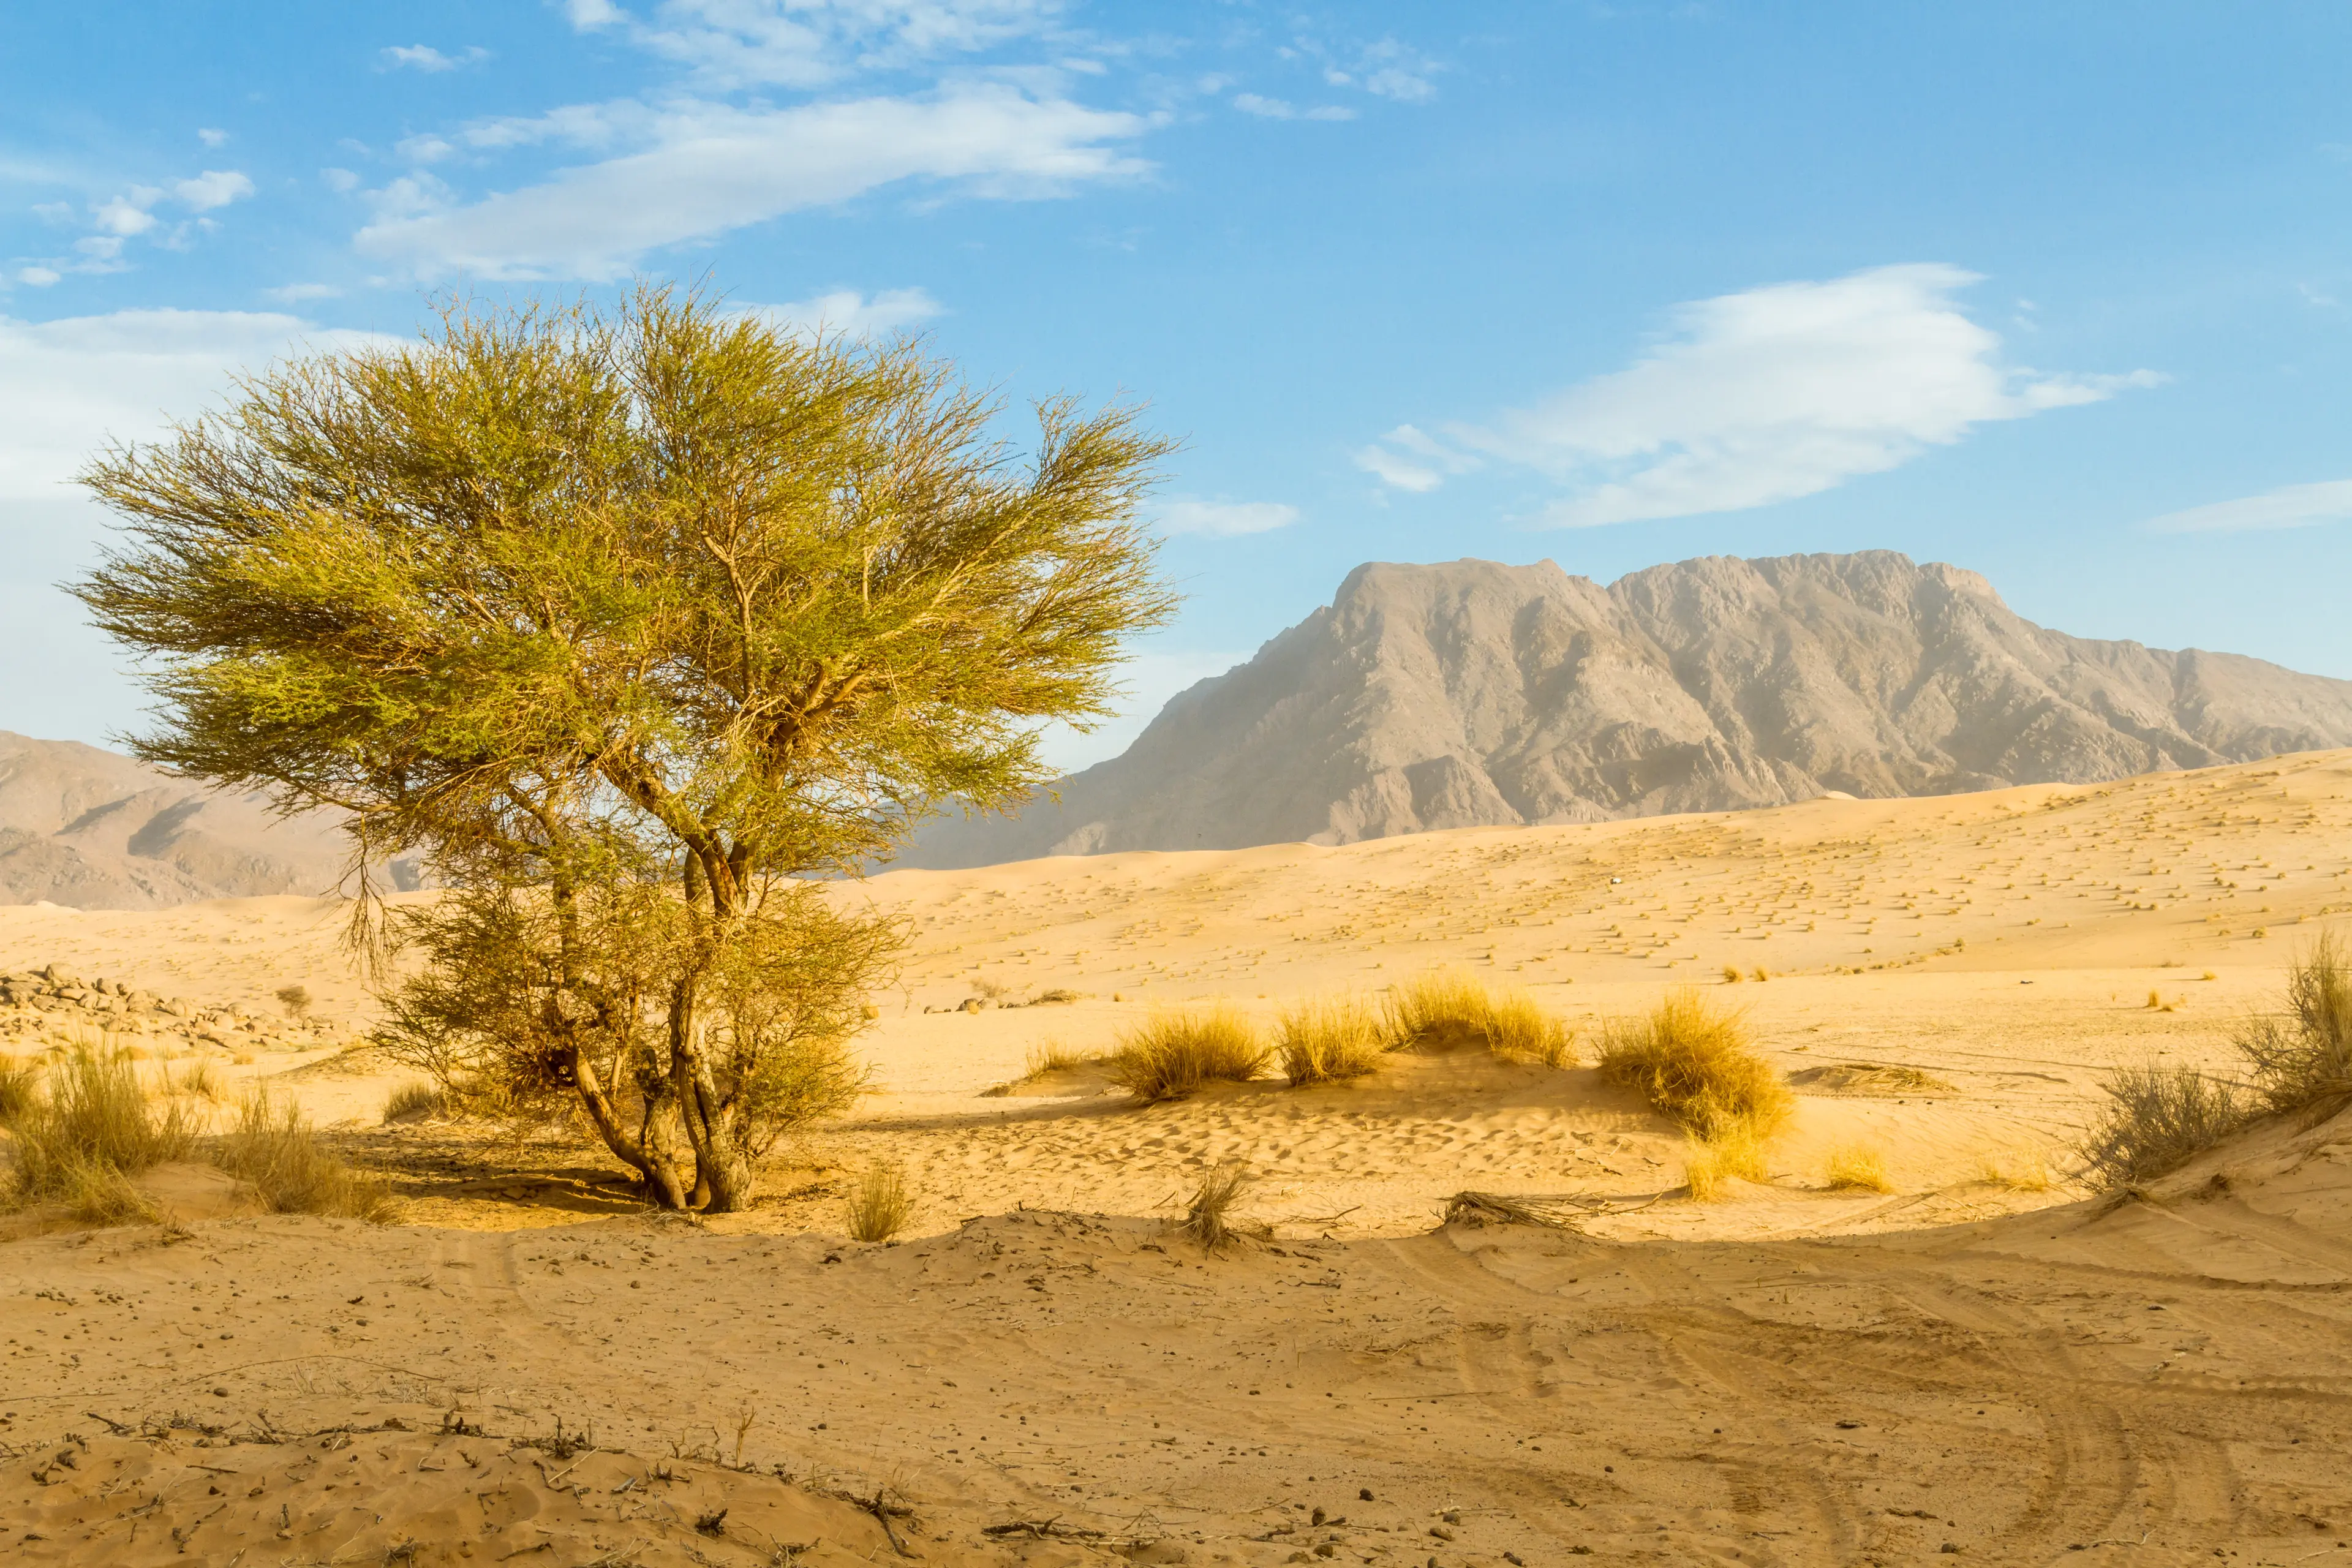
x=630, y=621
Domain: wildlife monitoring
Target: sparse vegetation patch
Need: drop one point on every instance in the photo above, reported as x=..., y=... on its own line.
x=1330, y=1040
x=2156, y=1120
x=1452, y=1009
x=1171, y=1055
x=1695, y=1062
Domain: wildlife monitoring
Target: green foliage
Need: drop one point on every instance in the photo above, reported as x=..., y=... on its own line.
x=626, y=620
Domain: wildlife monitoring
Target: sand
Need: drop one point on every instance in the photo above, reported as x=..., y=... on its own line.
x=1795, y=1374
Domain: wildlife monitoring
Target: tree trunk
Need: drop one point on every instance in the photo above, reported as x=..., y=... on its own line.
x=661, y=1174
x=722, y=1169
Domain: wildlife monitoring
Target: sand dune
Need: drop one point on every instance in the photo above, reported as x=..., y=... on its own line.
x=1798, y=1375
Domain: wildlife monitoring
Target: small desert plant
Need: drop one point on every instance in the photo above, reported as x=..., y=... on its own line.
x=1449, y=1009
x=1054, y=1056
x=201, y=1081
x=1329, y=1040
x=2157, y=1118
x=1763, y=973
x=2305, y=1058
x=1518, y=1030
x=295, y=999
x=415, y=1101
x=88, y=1132
x=1710, y=1164
x=1208, y=1218
x=274, y=1149
x=1172, y=1054
x=1695, y=1064
x=879, y=1205
x=1731, y=976
x=2019, y=1169
x=19, y=1082
x=1857, y=1166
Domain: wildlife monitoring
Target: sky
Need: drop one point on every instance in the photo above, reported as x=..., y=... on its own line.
x=2060, y=292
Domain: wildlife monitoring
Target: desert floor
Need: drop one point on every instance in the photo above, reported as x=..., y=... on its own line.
x=1795, y=1374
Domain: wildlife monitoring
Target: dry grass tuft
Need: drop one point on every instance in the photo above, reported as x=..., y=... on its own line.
x=1330, y=1039
x=201, y=1081
x=416, y=1101
x=86, y=1131
x=274, y=1149
x=1171, y=1055
x=1731, y=976
x=1054, y=1056
x=1208, y=1218
x=1452, y=1009
x=1857, y=1167
x=2304, y=1058
x=1711, y=1164
x=2019, y=1169
x=19, y=1087
x=2157, y=1118
x=879, y=1205
x=1695, y=1063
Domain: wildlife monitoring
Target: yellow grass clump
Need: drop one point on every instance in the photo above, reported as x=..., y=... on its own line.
x=273, y=1149
x=2303, y=1057
x=1329, y=1040
x=2019, y=1169
x=879, y=1205
x=1054, y=1056
x=1711, y=1164
x=1449, y=1009
x=1857, y=1167
x=81, y=1134
x=415, y=1101
x=1695, y=1063
x=1208, y=1218
x=1171, y=1055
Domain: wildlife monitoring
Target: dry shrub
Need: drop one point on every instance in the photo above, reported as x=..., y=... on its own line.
x=1858, y=1167
x=1171, y=1054
x=1711, y=1164
x=1731, y=976
x=2157, y=1118
x=1208, y=1218
x=19, y=1086
x=274, y=1149
x=1451, y=1009
x=2019, y=1169
x=415, y=1102
x=1054, y=1056
x=1695, y=1064
x=1329, y=1040
x=89, y=1129
x=2304, y=1058
x=201, y=1082
x=879, y=1205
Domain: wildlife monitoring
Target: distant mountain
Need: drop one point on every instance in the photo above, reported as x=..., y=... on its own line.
x=1472, y=693
x=88, y=828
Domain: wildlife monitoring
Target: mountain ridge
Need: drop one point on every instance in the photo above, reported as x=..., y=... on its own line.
x=1473, y=693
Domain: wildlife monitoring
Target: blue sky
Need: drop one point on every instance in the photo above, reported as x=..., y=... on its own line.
x=2061, y=293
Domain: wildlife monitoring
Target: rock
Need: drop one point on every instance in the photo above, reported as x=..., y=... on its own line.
x=1473, y=694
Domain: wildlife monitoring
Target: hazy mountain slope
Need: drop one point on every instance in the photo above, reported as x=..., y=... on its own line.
x=86, y=827
x=1472, y=693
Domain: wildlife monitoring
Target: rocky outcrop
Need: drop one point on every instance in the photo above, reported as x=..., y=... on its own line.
x=1472, y=694
x=51, y=1006
x=90, y=829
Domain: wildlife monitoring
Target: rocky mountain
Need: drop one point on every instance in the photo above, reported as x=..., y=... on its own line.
x=90, y=829
x=1472, y=693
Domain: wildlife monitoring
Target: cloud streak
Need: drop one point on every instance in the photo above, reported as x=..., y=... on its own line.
x=708, y=168
x=1760, y=396
x=2290, y=506
x=1225, y=519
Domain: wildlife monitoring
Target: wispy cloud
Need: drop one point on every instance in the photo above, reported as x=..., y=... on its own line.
x=1760, y=396
x=212, y=188
x=426, y=57
x=212, y=138
x=2291, y=505
x=1224, y=518
x=708, y=168
x=731, y=43
x=848, y=312
x=1282, y=108
x=67, y=386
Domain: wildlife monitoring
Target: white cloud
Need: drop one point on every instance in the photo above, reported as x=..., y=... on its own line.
x=67, y=387
x=712, y=168
x=127, y=213
x=1225, y=519
x=212, y=138
x=426, y=57
x=294, y=293
x=1766, y=395
x=1281, y=108
x=808, y=43
x=1408, y=459
x=37, y=277
x=2291, y=505
x=588, y=14
x=340, y=179
x=848, y=312
x=212, y=188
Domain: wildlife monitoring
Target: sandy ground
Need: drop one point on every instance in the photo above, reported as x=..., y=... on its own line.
x=2014, y=1371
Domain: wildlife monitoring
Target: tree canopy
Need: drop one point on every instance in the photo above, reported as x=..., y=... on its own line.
x=627, y=620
